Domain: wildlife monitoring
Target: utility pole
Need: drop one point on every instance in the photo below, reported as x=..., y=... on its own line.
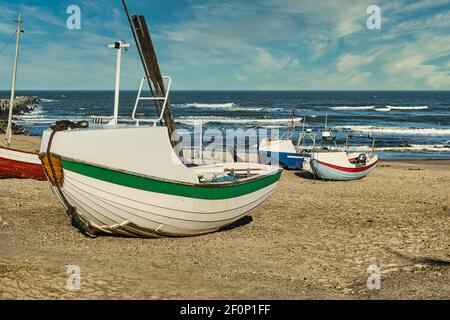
x=13, y=86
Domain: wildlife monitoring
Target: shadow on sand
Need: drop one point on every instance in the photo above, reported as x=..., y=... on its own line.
x=241, y=222
x=436, y=262
x=306, y=175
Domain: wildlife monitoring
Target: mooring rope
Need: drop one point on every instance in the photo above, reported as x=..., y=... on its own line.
x=77, y=221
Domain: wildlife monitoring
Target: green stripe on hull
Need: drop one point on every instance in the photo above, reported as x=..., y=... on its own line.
x=172, y=188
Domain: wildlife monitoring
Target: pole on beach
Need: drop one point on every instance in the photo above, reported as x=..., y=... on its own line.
x=13, y=86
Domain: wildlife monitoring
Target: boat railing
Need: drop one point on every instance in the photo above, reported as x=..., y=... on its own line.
x=139, y=99
x=349, y=147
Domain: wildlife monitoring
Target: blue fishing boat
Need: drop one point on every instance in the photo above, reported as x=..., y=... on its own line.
x=281, y=152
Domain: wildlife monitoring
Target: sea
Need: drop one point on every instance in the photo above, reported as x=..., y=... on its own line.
x=405, y=124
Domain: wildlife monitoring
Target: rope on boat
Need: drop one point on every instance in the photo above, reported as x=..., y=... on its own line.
x=77, y=221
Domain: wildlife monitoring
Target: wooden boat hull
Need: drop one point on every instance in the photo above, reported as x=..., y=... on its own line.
x=331, y=170
x=20, y=165
x=119, y=202
x=113, y=207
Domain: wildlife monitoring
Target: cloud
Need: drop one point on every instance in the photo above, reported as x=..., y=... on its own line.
x=414, y=61
x=264, y=44
x=349, y=62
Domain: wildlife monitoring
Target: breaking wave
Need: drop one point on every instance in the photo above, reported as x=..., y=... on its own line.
x=223, y=120
x=389, y=108
x=407, y=148
x=353, y=108
x=230, y=106
x=398, y=130
x=385, y=108
x=47, y=100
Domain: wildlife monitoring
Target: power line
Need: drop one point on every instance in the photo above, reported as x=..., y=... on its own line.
x=7, y=43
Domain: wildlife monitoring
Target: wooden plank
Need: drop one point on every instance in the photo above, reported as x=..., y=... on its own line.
x=151, y=61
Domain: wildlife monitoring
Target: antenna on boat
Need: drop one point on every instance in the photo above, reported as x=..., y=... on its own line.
x=13, y=86
x=119, y=45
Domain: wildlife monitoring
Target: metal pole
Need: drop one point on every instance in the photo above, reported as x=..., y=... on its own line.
x=117, y=91
x=13, y=86
x=117, y=45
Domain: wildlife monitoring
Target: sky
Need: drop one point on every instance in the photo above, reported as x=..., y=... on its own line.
x=233, y=44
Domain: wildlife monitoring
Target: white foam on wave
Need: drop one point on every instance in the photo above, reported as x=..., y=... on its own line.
x=353, y=108
x=389, y=108
x=408, y=148
x=386, y=108
x=398, y=130
x=35, y=114
x=230, y=106
x=223, y=120
x=211, y=105
x=407, y=107
x=47, y=100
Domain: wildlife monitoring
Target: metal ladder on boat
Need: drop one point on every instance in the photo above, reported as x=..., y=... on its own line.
x=139, y=98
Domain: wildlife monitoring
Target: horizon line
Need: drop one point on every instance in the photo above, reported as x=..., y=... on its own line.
x=247, y=90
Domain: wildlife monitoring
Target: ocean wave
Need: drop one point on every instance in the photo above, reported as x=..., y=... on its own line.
x=47, y=100
x=389, y=108
x=397, y=130
x=216, y=120
x=229, y=106
x=407, y=148
x=385, y=108
x=353, y=108
x=407, y=107
x=37, y=112
x=210, y=105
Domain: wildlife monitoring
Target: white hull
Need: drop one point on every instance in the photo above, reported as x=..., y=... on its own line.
x=116, y=209
x=115, y=201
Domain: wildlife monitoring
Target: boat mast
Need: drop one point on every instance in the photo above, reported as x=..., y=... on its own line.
x=152, y=71
x=119, y=45
x=13, y=86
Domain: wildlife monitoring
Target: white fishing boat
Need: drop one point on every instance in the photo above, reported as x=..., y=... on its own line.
x=334, y=163
x=340, y=165
x=130, y=181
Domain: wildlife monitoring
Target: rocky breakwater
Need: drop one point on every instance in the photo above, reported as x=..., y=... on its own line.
x=22, y=105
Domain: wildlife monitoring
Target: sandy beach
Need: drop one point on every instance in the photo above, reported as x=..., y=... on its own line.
x=310, y=240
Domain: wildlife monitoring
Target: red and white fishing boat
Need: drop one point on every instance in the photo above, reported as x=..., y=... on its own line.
x=18, y=163
x=334, y=163
x=340, y=165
